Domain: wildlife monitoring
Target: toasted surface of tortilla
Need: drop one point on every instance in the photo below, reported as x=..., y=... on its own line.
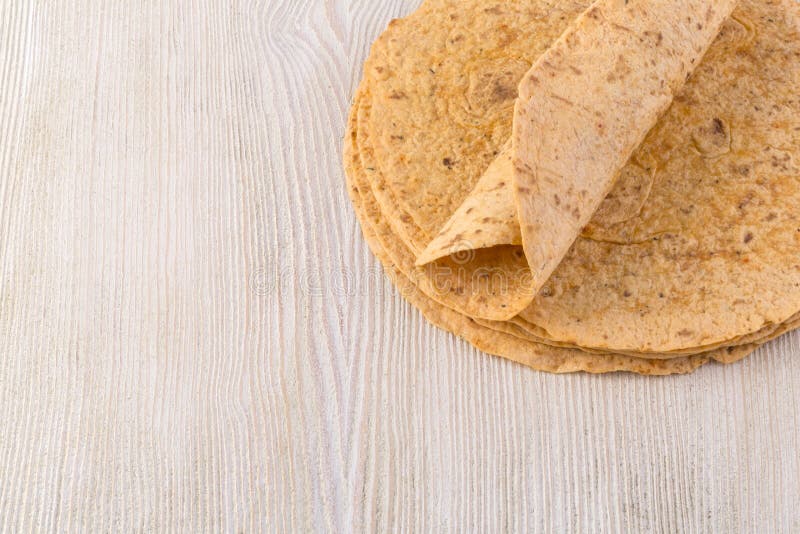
x=697, y=245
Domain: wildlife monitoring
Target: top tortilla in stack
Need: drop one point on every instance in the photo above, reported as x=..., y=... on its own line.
x=583, y=108
x=696, y=245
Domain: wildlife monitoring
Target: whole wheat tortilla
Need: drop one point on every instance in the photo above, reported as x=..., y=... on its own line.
x=711, y=203
x=522, y=330
x=588, y=103
x=452, y=69
x=515, y=348
x=583, y=108
x=488, y=217
x=402, y=259
x=713, y=253
x=478, y=283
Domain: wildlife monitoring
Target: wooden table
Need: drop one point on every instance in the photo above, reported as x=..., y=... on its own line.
x=194, y=336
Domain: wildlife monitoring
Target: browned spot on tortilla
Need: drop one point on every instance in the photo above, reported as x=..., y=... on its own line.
x=502, y=92
x=719, y=128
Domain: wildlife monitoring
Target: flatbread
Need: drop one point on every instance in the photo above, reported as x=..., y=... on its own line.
x=582, y=109
x=701, y=246
x=445, y=81
x=541, y=357
x=587, y=104
x=475, y=283
x=713, y=253
x=523, y=331
x=496, y=342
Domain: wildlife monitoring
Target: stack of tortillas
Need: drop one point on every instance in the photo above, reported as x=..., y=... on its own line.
x=588, y=186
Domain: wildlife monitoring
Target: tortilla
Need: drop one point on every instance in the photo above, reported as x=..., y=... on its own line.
x=588, y=103
x=480, y=283
x=712, y=255
x=701, y=246
x=583, y=108
x=523, y=331
x=451, y=69
x=492, y=339
x=379, y=235
x=496, y=342
x=486, y=219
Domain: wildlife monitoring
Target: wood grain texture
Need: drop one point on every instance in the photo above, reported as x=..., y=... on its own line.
x=195, y=337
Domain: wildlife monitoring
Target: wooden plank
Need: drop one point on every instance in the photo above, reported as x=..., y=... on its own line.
x=194, y=337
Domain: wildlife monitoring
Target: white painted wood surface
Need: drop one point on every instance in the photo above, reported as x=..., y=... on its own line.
x=194, y=336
